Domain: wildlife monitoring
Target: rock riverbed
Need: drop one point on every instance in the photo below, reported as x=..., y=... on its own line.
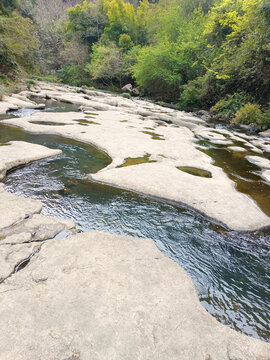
x=162, y=139
x=101, y=296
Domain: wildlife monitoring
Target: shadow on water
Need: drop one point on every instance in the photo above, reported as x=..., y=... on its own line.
x=230, y=269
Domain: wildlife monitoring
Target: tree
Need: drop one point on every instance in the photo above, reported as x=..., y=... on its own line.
x=105, y=64
x=241, y=31
x=18, y=42
x=177, y=57
x=88, y=20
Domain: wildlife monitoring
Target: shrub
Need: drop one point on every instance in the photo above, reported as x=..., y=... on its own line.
x=74, y=75
x=29, y=84
x=248, y=114
x=252, y=113
x=265, y=124
x=226, y=108
x=105, y=64
x=18, y=43
x=126, y=95
x=190, y=97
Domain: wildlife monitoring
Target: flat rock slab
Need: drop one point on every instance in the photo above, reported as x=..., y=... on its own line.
x=259, y=161
x=12, y=256
x=25, y=236
x=99, y=296
x=16, y=153
x=15, y=102
x=14, y=210
x=266, y=175
x=237, y=148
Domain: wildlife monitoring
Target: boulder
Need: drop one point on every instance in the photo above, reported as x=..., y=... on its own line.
x=127, y=88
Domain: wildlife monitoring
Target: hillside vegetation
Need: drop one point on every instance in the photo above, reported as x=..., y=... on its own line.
x=199, y=54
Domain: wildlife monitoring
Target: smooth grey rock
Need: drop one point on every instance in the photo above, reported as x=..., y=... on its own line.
x=259, y=161
x=237, y=148
x=99, y=296
x=12, y=256
x=14, y=209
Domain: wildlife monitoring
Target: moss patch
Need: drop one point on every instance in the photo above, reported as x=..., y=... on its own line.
x=51, y=123
x=195, y=171
x=154, y=136
x=92, y=114
x=86, y=122
x=137, y=161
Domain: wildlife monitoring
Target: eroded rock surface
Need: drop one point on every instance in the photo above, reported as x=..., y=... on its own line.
x=99, y=296
x=22, y=229
x=17, y=153
x=17, y=101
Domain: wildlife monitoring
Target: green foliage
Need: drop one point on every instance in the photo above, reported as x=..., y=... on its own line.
x=226, y=108
x=74, y=75
x=18, y=42
x=265, y=122
x=29, y=84
x=248, y=114
x=123, y=18
x=7, y=6
x=191, y=95
x=46, y=78
x=105, y=63
x=109, y=64
x=6, y=86
x=125, y=42
x=163, y=68
x=198, y=53
x=241, y=31
x=88, y=20
x=156, y=70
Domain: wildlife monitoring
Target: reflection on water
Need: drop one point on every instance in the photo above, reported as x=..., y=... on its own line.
x=245, y=174
x=230, y=270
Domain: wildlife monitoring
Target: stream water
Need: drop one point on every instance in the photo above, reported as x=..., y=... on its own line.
x=230, y=269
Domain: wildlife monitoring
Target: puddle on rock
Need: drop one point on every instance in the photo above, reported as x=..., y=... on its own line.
x=92, y=114
x=137, y=161
x=241, y=171
x=86, y=122
x=154, y=135
x=195, y=171
x=49, y=123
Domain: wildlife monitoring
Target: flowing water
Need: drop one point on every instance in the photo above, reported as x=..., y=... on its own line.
x=230, y=269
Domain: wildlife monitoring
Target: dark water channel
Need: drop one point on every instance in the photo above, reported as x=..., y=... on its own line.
x=230, y=269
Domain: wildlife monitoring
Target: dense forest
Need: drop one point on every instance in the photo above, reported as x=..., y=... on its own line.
x=198, y=54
